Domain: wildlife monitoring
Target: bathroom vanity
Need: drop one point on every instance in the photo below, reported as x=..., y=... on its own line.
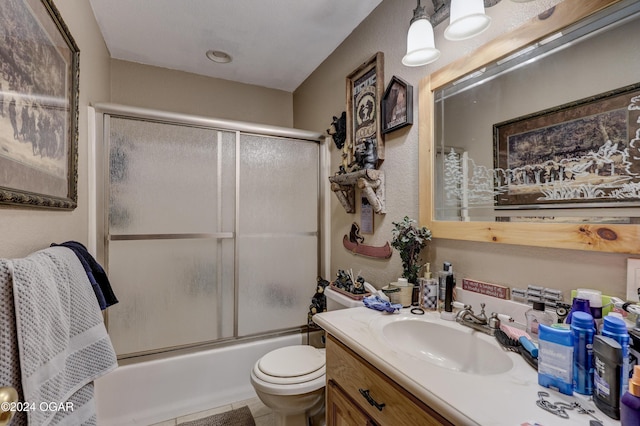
x=428, y=371
x=359, y=394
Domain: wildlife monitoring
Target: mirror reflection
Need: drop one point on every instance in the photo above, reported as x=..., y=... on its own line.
x=548, y=134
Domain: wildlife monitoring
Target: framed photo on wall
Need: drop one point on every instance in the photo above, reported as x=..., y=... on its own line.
x=397, y=105
x=39, y=93
x=364, y=92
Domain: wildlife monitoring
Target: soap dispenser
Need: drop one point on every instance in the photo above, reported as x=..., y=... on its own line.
x=428, y=290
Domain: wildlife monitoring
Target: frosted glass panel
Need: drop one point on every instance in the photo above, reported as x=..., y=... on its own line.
x=277, y=280
x=164, y=177
x=171, y=292
x=279, y=185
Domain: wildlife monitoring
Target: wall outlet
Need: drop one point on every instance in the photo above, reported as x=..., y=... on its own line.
x=633, y=279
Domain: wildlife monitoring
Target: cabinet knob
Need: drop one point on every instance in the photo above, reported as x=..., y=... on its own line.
x=10, y=396
x=370, y=400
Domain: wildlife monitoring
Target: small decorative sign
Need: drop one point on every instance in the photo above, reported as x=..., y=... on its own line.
x=493, y=290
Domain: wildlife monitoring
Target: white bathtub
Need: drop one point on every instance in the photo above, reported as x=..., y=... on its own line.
x=149, y=392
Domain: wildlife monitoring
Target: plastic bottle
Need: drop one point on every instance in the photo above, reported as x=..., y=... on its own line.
x=578, y=305
x=447, y=270
x=536, y=316
x=583, y=331
x=630, y=402
x=616, y=328
x=607, y=361
x=555, y=359
x=428, y=292
x=595, y=303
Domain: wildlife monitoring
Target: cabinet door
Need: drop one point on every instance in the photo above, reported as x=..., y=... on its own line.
x=341, y=411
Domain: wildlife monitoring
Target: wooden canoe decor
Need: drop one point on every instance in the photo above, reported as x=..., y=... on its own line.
x=353, y=243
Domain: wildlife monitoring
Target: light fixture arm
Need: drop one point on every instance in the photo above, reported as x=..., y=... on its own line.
x=441, y=9
x=419, y=13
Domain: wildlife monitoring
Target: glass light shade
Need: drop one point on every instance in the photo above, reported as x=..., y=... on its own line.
x=421, y=48
x=466, y=19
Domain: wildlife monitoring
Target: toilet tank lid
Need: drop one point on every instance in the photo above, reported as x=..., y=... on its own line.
x=342, y=299
x=292, y=361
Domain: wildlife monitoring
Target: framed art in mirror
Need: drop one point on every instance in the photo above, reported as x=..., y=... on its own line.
x=39, y=92
x=397, y=105
x=364, y=93
x=582, y=152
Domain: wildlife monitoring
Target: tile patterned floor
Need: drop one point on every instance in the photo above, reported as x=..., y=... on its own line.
x=261, y=413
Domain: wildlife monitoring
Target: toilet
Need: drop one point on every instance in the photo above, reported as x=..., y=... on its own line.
x=291, y=380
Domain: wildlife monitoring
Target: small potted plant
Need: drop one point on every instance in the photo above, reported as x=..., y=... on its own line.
x=409, y=240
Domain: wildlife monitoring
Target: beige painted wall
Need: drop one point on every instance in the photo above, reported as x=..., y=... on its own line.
x=163, y=89
x=322, y=95
x=25, y=230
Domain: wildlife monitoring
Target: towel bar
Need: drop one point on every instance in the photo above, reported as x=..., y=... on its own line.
x=10, y=395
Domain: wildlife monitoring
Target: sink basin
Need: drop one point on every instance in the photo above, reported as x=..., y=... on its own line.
x=448, y=347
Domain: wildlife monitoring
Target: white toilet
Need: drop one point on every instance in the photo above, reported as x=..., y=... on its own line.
x=291, y=380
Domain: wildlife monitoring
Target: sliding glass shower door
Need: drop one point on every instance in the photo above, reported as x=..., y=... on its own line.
x=212, y=233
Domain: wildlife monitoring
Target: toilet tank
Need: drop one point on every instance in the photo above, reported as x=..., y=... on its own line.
x=337, y=301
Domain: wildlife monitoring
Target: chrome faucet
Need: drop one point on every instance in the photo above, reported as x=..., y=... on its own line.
x=480, y=321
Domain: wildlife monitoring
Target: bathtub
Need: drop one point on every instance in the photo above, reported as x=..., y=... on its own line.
x=149, y=392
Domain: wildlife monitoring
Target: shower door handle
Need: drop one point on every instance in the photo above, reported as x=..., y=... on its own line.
x=8, y=400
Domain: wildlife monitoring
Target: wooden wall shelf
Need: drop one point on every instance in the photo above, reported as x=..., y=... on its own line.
x=370, y=182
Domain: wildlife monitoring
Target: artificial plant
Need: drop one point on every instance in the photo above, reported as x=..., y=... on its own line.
x=409, y=239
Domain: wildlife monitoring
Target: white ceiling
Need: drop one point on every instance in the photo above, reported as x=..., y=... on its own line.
x=273, y=43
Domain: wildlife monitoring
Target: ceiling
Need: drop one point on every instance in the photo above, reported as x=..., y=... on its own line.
x=274, y=43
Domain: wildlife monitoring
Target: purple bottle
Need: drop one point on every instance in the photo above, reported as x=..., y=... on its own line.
x=630, y=402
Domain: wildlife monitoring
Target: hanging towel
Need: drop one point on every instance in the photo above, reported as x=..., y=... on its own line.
x=62, y=342
x=9, y=358
x=97, y=277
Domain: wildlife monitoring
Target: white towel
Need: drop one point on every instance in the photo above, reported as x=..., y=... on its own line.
x=63, y=344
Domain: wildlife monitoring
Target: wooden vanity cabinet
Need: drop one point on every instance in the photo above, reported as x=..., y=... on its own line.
x=359, y=394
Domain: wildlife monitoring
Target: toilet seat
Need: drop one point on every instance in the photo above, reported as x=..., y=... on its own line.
x=291, y=365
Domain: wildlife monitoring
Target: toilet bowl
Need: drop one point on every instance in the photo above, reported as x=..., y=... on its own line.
x=291, y=381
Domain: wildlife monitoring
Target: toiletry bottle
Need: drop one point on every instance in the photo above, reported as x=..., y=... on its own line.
x=428, y=293
x=630, y=402
x=555, y=359
x=595, y=304
x=536, y=316
x=447, y=270
x=583, y=331
x=578, y=305
x=616, y=328
x=607, y=363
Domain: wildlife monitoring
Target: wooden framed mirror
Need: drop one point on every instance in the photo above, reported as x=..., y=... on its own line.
x=559, y=34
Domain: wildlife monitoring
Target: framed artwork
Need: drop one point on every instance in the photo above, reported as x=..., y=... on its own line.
x=39, y=92
x=365, y=143
x=587, y=151
x=397, y=105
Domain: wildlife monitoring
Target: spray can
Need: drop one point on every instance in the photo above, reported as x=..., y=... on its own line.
x=583, y=331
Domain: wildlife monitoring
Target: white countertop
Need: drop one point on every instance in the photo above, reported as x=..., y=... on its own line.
x=506, y=399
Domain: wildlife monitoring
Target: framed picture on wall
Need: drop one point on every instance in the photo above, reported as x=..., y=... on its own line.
x=39, y=92
x=364, y=92
x=397, y=105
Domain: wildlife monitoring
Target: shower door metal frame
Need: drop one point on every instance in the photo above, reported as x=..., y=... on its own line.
x=103, y=113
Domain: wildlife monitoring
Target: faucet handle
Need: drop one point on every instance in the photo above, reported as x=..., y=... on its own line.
x=494, y=321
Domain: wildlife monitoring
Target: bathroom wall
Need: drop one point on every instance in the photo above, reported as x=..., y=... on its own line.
x=169, y=90
x=25, y=230
x=322, y=95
